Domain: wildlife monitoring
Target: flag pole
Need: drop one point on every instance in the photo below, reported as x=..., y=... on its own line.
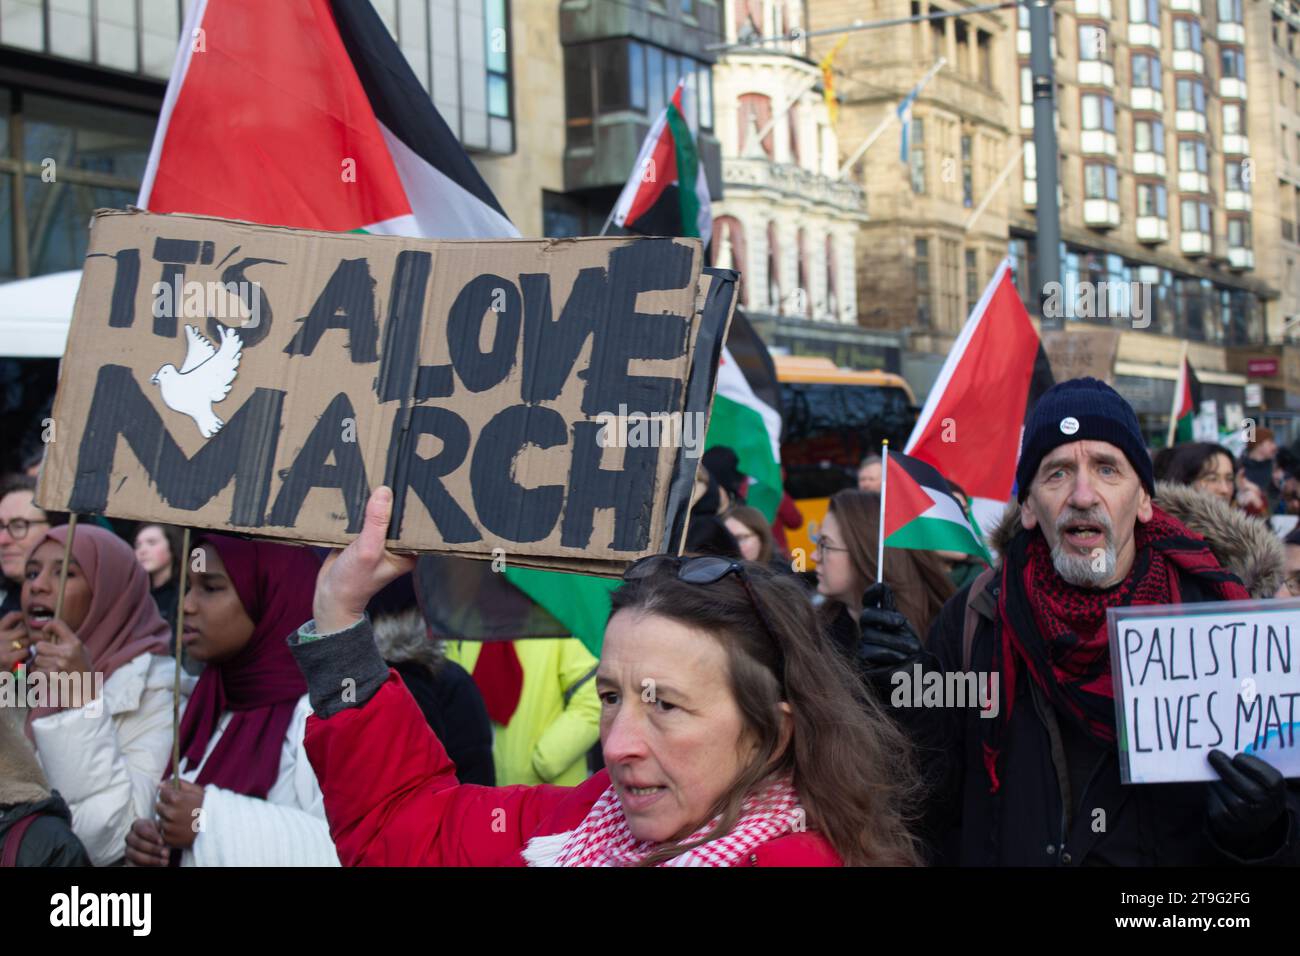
x=1179, y=385
x=884, y=488
x=890, y=116
x=176, y=687
x=789, y=105
x=993, y=189
x=63, y=569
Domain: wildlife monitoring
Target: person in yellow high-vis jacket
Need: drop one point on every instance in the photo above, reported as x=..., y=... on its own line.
x=556, y=719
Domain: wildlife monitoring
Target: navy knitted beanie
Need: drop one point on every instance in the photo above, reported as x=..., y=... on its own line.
x=1082, y=409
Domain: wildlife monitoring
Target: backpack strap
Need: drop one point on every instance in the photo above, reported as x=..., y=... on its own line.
x=978, y=604
x=14, y=840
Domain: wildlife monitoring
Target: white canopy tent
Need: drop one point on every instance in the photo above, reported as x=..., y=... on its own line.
x=35, y=315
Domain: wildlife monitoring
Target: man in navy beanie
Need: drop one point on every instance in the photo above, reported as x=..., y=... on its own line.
x=1032, y=778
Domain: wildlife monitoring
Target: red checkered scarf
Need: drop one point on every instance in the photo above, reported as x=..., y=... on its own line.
x=604, y=839
x=1057, y=631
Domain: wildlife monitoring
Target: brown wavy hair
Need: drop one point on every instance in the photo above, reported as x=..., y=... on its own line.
x=918, y=579
x=852, y=767
x=753, y=519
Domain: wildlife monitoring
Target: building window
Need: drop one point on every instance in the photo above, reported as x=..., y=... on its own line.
x=688, y=8
x=1153, y=200
x=1230, y=11
x=754, y=114
x=1233, y=119
x=578, y=98
x=1239, y=233
x=1233, y=176
x=1148, y=136
x=1026, y=85
x=1192, y=156
x=803, y=300
x=1100, y=181
x=100, y=154
x=1187, y=34
x=498, y=59
x=967, y=174
x=1030, y=161
x=1190, y=94
x=1093, y=42
x=1233, y=61
x=1146, y=71
x=1195, y=216
x=924, y=310
x=918, y=156
x=1144, y=11
x=728, y=250
x=951, y=282
x=984, y=43
x=972, y=279
x=1098, y=112
x=832, y=295
x=774, y=272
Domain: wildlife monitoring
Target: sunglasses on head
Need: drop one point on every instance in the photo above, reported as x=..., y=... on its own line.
x=707, y=569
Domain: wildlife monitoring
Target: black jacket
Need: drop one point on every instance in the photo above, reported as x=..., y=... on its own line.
x=454, y=709
x=50, y=840
x=1061, y=802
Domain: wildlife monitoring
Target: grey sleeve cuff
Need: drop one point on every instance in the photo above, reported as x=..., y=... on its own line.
x=343, y=669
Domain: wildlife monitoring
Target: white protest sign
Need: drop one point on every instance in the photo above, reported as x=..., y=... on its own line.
x=1193, y=678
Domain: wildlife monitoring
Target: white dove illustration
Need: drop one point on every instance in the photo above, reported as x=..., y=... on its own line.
x=203, y=379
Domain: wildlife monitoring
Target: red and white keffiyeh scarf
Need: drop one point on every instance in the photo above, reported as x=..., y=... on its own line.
x=604, y=839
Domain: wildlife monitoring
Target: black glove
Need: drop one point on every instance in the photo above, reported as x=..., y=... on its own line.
x=1246, y=803
x=888, y=641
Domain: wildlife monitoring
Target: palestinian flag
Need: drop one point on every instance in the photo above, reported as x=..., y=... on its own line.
x=1187, y=404
x=922, y=513
x=746, y=413
x=668, y=193
x=975, y=413
x=304, y=113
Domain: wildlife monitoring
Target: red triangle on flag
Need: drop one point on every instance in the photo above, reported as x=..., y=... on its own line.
x=268, y=122
x=905, y=500
x=970, y=427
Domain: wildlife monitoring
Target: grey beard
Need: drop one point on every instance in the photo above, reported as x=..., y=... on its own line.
x=1081, y=569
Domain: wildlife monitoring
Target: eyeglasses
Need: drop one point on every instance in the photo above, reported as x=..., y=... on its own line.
x=822, y=545
x=1293, y=584
x=708, y=569
x=17, y=528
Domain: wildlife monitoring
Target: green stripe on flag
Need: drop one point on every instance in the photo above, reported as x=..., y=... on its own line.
x=688, y=164
x=578, y=601
x=743, y=431
x=936, y=534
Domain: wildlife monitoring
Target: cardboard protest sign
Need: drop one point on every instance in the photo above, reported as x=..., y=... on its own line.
x=1193, y=678
x=1087, y=352
x=263, y=380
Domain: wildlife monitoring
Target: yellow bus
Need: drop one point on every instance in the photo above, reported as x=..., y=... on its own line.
x=832, y=418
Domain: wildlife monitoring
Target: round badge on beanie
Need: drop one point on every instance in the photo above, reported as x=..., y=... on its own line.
x=1082, y=409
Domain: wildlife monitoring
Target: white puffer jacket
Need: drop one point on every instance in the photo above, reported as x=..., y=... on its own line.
x=106, y=759
x=288, y=828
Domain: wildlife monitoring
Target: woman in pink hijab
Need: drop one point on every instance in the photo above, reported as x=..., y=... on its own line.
x=102, y=720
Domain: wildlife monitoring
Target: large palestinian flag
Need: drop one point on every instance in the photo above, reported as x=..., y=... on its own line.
x=1187, y=404
x=667, y=193
x=304, y=113
x=921, y=512
x=970, y=426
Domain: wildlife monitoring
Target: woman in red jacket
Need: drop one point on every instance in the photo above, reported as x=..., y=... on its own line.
x=732, y=735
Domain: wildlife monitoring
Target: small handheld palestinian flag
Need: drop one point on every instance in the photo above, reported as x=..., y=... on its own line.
x=668, y=193
x=1187, y=403
x=921, y=512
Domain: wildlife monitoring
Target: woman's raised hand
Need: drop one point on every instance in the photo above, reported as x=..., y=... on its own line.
x=351, y=577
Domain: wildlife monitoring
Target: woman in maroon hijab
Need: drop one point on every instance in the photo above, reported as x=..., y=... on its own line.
x=248, y=796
